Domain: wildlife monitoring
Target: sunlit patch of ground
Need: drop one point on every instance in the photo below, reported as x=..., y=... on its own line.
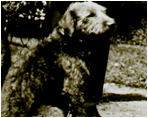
x=122, y=101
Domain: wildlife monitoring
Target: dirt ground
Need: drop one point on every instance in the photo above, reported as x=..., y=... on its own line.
x=124, y=109
x=123, y=101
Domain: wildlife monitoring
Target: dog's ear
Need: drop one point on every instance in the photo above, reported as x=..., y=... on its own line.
x=68, y=23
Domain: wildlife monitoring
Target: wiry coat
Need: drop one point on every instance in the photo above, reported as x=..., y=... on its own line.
x=70, y=63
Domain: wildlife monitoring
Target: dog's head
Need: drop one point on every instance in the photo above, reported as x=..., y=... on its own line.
x=86, y=18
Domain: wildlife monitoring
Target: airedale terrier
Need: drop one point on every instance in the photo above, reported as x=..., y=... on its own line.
x=70, y=63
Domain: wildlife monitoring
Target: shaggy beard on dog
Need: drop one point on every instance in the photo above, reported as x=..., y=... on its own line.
x=68, y=66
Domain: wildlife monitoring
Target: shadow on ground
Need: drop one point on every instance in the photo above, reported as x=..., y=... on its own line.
x=122, y=97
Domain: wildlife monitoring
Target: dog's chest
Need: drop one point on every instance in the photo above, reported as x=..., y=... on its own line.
x=76, y=73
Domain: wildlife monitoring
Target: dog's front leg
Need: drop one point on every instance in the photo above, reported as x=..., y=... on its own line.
x=79, y=108
x=91, y=109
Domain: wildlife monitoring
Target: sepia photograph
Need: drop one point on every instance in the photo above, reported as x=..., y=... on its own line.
x=73, y=58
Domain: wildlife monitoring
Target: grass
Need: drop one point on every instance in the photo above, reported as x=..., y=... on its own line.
x=127, y=65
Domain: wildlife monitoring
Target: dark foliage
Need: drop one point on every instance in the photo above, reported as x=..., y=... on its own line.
x=24, y=19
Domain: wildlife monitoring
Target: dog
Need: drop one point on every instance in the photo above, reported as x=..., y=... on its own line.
x=66, y=68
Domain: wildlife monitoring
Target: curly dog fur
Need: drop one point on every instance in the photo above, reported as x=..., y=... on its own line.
x=67, y=67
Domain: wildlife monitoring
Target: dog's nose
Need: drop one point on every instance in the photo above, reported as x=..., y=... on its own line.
x=110, y=22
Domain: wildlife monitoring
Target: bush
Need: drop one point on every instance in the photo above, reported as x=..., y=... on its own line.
x=24, y=19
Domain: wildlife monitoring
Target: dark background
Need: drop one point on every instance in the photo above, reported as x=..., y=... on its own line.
x=129, y=15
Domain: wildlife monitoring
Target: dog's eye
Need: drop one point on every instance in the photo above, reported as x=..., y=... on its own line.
x=91, y=15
